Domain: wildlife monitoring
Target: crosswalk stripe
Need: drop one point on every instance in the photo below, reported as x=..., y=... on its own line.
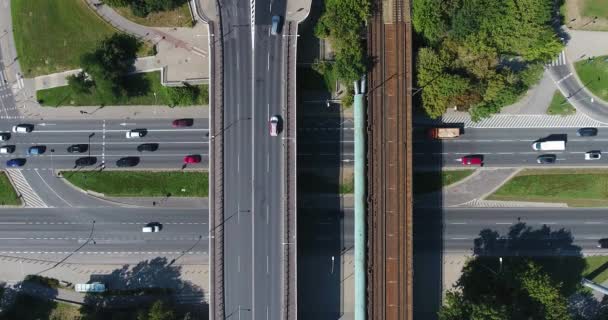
x=31, y=199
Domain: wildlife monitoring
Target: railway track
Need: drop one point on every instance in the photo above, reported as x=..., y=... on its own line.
x=390, y=250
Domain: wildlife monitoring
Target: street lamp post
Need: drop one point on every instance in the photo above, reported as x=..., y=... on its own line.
x=52, y=163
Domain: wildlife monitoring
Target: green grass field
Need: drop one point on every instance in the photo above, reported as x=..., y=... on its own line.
x=597, y=268
x=310, y=79
x=179, y=17
x=559, y=105
x=594, y=75
x=8, y=195
x=595, y=8
x=142, y=183
x=576, y=187
x=142, y=87
x=51, y=35
x=431, y=181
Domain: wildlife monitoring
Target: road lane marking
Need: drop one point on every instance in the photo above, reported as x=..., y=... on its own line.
x=593, y=222
x=457, y=223
x=267, y=264
x=55, y=192
x=238, y=263
x=119, y=130
x=459, y=238
x=504, y=223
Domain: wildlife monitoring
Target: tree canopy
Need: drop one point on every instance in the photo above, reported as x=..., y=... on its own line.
x=523, y=285
x=480, y=55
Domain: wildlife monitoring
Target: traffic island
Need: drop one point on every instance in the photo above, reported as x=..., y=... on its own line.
x=8, y=195
x=160, y=184
x=575, y=187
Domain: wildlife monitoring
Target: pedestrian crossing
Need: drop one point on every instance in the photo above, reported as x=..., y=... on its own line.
x=517, y=121
x=24, y=190
x=559, y=61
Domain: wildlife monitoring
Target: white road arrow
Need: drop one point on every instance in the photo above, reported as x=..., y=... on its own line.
x=127, y=124
x=46, y=124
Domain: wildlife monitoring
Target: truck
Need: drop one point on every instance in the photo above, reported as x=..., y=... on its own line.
x=90, y=287
x=443, y=133
x=557, y=145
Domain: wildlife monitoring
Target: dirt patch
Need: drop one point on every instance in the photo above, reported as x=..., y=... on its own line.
x=575, y=19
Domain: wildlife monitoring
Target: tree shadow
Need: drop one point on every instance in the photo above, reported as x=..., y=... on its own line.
x=131, y=289
x=552, y=250
x=28, y=301
x=136, y=85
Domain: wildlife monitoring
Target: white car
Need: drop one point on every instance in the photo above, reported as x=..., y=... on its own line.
x=273, y=124
x=593, y=155
x=7, y=149
x=23, y=128
x=134, y=134
x=151, y=227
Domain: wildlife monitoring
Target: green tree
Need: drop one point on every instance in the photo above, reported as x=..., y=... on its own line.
x=79, y=83
x=159, y=311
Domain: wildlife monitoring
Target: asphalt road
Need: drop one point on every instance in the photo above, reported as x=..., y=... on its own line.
x=238, y=158
x=509, y=147
x=115, y=236
x=462, y=226
x=108, y=143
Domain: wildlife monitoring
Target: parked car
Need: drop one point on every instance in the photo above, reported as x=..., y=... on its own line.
x=546, y=159
x=135, y=133
x=78, y=148
x=23, y=128
x=151, y=147
x=35, y=150
x=194, y=158
x=18, y=162
x=152, y=227
x=586, y=132
x=7, y=149
x=182, y=122
x=593, y=155
x=4, y=136
x=127, y=162
x=472, y=160
x=274, y=124
x=86, y=161
x=602, y=243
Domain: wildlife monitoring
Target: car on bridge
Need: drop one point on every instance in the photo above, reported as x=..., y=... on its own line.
x=275, y=126
x=276, y=25
x=18, y=162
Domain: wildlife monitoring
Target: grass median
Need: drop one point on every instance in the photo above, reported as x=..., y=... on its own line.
x=576, y=187
x=8, y=195
x=594, y=75
x=596, y=269
x=560, y=105
x=142, y=183
x=425, y=182
x=143, y=89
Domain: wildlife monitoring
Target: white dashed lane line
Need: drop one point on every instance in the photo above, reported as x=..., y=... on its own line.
x=108, y=252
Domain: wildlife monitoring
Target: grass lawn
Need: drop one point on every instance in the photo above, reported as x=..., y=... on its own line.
x=142, y=183
x=597, y=268
x=348, y=185
x=593, y=8
x=142, y=87
x=594, y=74
x=309, y=79
x=559, y=106
x=179, y=17
x=8, y=196
x=27, y=307
x=430, y=181
x=576, y=187
x=51, y=35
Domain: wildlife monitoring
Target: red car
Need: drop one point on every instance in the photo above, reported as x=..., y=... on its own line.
x=182, y=123
x=195, y=158
x=472, y=160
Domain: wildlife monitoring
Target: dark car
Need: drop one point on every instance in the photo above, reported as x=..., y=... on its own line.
x=151, y=147
x=127, y=162
x=19, y=162
x=78, y=148
x=546, y=159
x=34, y=150
x=586, y=132
x=602, y=243
x=5, y=136
x=86, y=161
x=182, y=122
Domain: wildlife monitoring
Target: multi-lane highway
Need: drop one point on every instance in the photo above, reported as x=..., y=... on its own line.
x=510, y=147
x=98, y=235
x=106, y=142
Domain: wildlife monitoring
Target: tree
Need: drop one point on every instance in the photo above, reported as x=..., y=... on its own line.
x=79, y=83
x=159, y=311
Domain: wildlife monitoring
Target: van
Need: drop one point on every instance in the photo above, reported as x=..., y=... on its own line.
x=558, y=145
x=276, y=25
x=90, y=287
